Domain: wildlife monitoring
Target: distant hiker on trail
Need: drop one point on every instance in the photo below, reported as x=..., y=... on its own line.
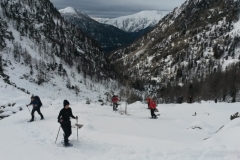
x=64, y=120
x=36, y=103
x=179, y=100
x=190, y=99
x=153, y=106
x=148, y=101
x=115, y=100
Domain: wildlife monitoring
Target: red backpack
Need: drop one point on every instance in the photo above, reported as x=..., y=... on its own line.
x=114, y=99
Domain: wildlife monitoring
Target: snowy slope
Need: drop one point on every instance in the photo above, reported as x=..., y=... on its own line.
x=136, y=22
x=12, y=101
x=56, y=86
x=185, y=45
x=37, y=54
x=68, y=10
x=110, y=135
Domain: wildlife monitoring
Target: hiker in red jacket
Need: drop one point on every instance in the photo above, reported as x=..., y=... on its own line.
x=153, y=106
x=115, y=102
x=148, y=101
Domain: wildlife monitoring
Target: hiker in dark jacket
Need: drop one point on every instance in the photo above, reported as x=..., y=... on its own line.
x=36, y=107
x=64, y=120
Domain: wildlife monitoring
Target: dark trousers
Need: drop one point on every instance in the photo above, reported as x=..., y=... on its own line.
x=115, y=105
x=67, y=129
x=152, y=113
x=38, y=110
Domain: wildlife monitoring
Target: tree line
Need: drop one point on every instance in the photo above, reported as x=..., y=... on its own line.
x=223, y=86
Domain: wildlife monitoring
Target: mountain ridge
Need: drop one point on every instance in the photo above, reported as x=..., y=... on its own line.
x=137, y=21
x=109, y=37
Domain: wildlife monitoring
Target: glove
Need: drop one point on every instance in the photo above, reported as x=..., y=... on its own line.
x=76, y=117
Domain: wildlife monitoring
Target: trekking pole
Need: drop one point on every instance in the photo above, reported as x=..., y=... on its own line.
x=77, y=128
x=58, y=133
x=28, y=109
x=126, y=109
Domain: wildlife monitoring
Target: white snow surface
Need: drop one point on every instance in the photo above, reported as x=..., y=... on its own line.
x=136, y=22
x=108, y=135
x=68, y=10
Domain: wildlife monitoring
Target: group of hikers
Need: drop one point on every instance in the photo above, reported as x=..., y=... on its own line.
x=152, y=105
x=63, y=117
x=66, y=112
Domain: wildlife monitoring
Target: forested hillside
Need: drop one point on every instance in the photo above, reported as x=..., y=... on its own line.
x=196, y=40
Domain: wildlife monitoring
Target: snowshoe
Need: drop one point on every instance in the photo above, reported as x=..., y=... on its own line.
x=154, y=117
x=31, y=120
x=68, y=145
x=42, y=118
x=64, y=142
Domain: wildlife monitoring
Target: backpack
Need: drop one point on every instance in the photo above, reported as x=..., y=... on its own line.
x=114, y=99
x=39, y=101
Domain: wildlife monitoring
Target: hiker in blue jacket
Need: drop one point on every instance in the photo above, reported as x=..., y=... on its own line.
x=36, y=107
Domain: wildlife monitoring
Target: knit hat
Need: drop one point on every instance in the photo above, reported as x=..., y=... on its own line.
x=32, y=96
x=65, y=102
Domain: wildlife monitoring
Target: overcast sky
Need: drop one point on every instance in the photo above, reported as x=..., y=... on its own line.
x=116, y=8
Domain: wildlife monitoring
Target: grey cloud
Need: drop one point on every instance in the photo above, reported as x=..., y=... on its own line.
x=116, y=8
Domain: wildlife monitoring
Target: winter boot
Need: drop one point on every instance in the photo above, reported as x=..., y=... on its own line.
x=68, y=144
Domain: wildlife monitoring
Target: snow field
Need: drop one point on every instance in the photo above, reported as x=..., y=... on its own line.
x=110, y=135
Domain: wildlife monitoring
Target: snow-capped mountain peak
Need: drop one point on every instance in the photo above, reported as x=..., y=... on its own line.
x=109, y=37
x=136, y=22
x=71, y=12
x=68, y=10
